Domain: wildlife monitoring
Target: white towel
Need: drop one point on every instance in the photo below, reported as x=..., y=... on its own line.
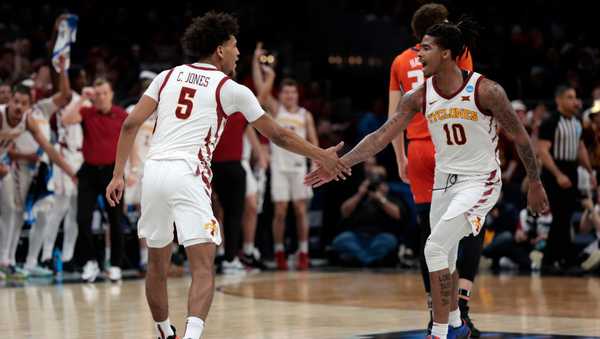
x=67, y=32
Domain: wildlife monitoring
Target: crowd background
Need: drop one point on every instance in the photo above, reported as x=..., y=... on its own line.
x=340, y=53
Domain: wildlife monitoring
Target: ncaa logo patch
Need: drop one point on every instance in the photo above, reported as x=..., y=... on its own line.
x=470, y=89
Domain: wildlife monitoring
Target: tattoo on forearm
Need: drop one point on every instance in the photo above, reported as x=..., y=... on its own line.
x=529, y=160
x=445, y=288
x=376, y=141
x=498, y=103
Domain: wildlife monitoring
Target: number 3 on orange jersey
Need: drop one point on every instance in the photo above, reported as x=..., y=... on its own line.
x=186, y=103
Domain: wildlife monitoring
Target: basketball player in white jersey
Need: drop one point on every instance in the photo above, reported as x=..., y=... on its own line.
x=16, y=119
x=69, y=143
x=287, y=169
x=462, y=110
x=192, y=103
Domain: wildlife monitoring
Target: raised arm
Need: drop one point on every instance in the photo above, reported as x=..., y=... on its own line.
x=493, y=99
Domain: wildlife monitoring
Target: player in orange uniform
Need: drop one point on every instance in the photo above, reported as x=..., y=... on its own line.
x=407, y=74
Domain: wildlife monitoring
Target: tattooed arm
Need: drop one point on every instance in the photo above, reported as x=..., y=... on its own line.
x=493, y=99
x=373, y=143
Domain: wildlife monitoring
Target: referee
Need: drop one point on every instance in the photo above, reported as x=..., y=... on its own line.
x=561, y=150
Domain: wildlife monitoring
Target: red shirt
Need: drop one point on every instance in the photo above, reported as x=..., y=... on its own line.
x=232, y=140
x=101, y=134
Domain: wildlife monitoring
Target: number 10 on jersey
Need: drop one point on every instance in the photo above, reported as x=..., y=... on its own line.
x=458, y=134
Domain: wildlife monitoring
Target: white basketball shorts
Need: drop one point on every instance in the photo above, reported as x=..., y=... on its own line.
x=289, y=186
x=470, y=195
x=174, y=197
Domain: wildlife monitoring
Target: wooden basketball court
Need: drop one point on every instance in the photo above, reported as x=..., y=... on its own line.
x=301, y=305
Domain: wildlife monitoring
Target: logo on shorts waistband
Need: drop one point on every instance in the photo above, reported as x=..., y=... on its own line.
x=212, y=227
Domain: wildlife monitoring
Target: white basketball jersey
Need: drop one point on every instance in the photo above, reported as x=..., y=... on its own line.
x=194, y=102
x=7, y=133
x=281, y=159
x=465, y=139
x=26, y=144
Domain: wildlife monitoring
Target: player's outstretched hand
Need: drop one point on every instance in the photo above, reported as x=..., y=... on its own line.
x=537, y=201
x=331, y=168
x=114, y=191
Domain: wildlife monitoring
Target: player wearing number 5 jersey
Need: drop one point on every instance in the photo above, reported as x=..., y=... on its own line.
x=192, y=103
x=467, y=176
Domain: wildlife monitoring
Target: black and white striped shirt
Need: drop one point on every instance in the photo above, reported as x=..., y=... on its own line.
x=564, y=134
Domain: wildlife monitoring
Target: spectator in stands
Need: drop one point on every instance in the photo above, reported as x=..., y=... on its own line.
x=101, y=128
x=372, y=218
x=590, y=223
x=5, y=93
x=515, y=238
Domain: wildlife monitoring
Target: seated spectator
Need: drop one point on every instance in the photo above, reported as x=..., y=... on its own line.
x=371, y=218
x=590, y=224
x=522, y=242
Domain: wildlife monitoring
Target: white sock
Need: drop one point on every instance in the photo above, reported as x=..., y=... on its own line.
x=439, y=330
x=303, y=246
x=454, y=318
x=163, y=329
x=279, y=247
x=193, y=328
x=248, y=248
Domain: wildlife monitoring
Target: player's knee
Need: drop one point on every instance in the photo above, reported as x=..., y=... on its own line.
x=436, y=256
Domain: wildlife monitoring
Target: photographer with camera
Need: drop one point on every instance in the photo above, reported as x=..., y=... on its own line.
x=370, y=217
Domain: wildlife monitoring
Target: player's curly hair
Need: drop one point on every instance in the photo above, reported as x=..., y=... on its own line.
x=206, y=32
x=459, y=38
x=427, y=16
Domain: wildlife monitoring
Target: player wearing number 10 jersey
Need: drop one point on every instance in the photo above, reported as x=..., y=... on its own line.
x=192, y=103
x=461, y=109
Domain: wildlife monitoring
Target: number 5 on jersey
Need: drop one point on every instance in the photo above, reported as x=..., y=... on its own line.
x=185, y=103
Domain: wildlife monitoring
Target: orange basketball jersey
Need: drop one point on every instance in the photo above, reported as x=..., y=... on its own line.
x=406, y=74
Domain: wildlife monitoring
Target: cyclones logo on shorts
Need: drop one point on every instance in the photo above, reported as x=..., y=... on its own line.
x=211, y=226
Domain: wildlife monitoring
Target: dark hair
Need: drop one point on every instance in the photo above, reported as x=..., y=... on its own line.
x=458, y=38
x=427, y=16
x=5, y=83
x=289, y=82
x=205, y=33
x=22, y=89
x=560, y=90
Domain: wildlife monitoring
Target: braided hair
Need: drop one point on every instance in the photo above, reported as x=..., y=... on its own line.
x=459, y=38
